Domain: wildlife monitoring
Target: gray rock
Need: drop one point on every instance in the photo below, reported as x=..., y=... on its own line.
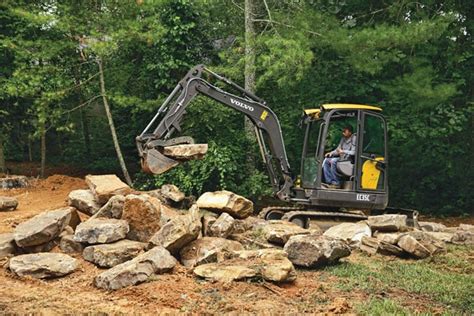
x=42, y=228
x=445, y=237
x=101, y=231
x=186, y=152
x=388, y=222
x=8, y=203
x=463, y=237
x=269, y=264
x=222, y=227
x=224, y=201
x=11, y=182
x=413, y=247
x=207, y=250
x=109, y=255
x=105, y=186
x=374, y=245
x=142, y=212
x=7, y=245
x=391, y=238
x=112, y=209
x=225, y=272
x=46, y=247
x=155, y=261
x=67, y=244
x=179, y=231
x=351, y=232
x=432, y=226
x=172, y=192
x=315, y=250
x=278, y=232
x=426, y=239
x=43, y=265
x=207, y=221
x=84, y=201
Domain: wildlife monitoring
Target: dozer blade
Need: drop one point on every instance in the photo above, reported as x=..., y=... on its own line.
x=154, y=162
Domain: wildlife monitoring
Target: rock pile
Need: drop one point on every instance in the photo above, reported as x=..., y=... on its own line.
x=135, y=235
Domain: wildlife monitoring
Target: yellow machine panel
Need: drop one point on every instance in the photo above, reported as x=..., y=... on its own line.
x=370, y=174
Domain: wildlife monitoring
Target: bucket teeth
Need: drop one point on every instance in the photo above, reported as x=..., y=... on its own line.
x=154, y=162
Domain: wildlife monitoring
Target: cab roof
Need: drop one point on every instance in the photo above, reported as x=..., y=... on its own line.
x=341, y=106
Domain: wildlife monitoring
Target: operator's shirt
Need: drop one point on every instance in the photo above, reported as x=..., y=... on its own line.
x=348, y=147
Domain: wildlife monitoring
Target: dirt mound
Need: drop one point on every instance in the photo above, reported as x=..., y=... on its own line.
x=40, y=195
x=60, y=182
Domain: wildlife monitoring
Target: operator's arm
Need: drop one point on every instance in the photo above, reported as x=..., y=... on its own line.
x=336, y=151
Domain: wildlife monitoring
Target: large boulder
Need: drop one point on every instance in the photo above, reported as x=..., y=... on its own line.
x=391, y=238
x=463, y=237
x=373, y=245
x=142, y=212
x=8, y=203
x=268, y=264
x=155, y=261
x=413, y=247
x=207, y=250
x=432, y=226
x=186, y=152
x=84, y=201
x=278, y=231
x=112, y=209
x=67, y=244
x=179, y=231
x=172, y=192
x=42, y=228
x=388, y=222
x=350, y=232
x=222, y=226
x=7, y=245
x=225, y=272
x=109, y=255
x=271, y=264
x=315, y=250
x=105, y=186
x=101, y=231
x=224, y=201
x=43, y=265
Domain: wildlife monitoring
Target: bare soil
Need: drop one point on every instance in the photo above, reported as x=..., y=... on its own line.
x=313, y=292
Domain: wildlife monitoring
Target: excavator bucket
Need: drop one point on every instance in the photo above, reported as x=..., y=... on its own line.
x=154, y=162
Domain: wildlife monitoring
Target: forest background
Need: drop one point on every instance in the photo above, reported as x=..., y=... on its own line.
x=414, y=59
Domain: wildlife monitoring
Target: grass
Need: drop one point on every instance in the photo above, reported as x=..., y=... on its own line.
x=446, y=279
x=381, y=307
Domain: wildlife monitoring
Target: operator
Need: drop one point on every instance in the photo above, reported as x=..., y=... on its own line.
x=343, y=151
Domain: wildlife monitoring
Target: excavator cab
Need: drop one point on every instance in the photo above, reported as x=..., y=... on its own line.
x=363, y=176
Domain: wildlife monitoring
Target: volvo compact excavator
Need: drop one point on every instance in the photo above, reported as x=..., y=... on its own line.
x=364, y=176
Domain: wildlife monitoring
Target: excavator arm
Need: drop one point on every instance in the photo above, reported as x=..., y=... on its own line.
x=167, y=121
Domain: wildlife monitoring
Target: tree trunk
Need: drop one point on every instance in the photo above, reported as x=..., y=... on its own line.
x=85, y=131
x=111, y=125
x=30, y=150
x=2, y=155
x=43, y=149
x=249, y=71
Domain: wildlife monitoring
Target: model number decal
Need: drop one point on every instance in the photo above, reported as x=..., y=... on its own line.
x=362, y=197
x=242, y=105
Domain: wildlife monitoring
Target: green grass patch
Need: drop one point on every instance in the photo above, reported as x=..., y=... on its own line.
x=445, y=279
x=381, y=307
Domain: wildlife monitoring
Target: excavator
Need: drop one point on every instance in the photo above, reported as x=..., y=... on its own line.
x=364, y=176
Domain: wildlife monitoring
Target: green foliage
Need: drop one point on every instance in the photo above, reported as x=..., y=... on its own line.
x=413, y=59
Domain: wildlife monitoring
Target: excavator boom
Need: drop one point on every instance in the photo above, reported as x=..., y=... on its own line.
x=167, y=121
